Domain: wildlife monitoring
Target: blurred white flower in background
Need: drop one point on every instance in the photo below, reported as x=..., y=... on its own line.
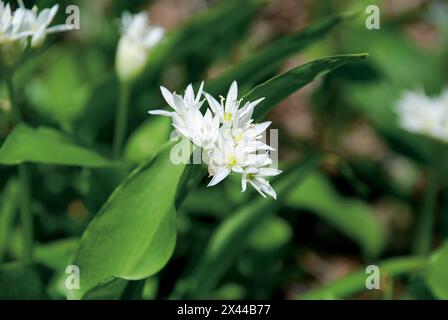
x=137, y=40
x=421, y=114
x=227, y=134
x=37, y=23
x=20, y=25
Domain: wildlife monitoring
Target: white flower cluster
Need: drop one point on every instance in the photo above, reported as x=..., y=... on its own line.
x=227, y=135
x=137, y=39
x=425, y=115
x=20, y=25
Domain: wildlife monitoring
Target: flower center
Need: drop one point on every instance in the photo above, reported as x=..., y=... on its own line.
x=238, y=135
x=250, y=176
x=232, y=161
x=228, y=117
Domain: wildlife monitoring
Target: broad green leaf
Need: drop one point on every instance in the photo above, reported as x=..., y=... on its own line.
x=352, y=217
x=47, y=146
x=147, y=139
x=231, y=235
x=20, y=282
x=283, y=85
x=9, y=206
x=134, y=234
x=436, y=275
x=265, y=62
x=111, y=289
x=355, y=282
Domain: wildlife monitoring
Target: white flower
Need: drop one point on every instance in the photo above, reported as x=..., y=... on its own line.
x=138, y=38
x=16, y=27
x=236, y=146
x=188, y=120
x=257, y=178
x=229, y=110
x=240, y=159
x=425, y=115
x=256, y=175
x=227, y=157
x=37, y=24
x=249, y=132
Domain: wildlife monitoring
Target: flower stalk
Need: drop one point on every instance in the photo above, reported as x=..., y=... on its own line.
x=26, y=217
x=121, y=119
x=425, y=223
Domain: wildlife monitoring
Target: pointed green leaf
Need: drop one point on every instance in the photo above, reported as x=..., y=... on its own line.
x=133, y=235
x=47, y=146
x=283, y=85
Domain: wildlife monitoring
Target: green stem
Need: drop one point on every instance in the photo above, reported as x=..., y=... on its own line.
x=425, y=223
x=121, y=120
x=25, y=213
x=16, y=115
x=445, y=213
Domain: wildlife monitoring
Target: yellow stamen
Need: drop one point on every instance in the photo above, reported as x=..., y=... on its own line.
x=232, y=161
x=228, y=117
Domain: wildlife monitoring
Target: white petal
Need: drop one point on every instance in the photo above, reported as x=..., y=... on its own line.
x=161, y=113
x=269, y=172
x=214, y=105
x=257, y=188
x=249, y=106
x=168, y=96
x=208, y=117
x=38, y=38
x=182, y=131
x=189, y=94
x=154, y=37
x=179, y=103
x=232, y=97
x=60, y=28
x=243, y=183
x=270, y=191
x=260, y=128
x=237, y=169
x=200, y=91
x=220, y=174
